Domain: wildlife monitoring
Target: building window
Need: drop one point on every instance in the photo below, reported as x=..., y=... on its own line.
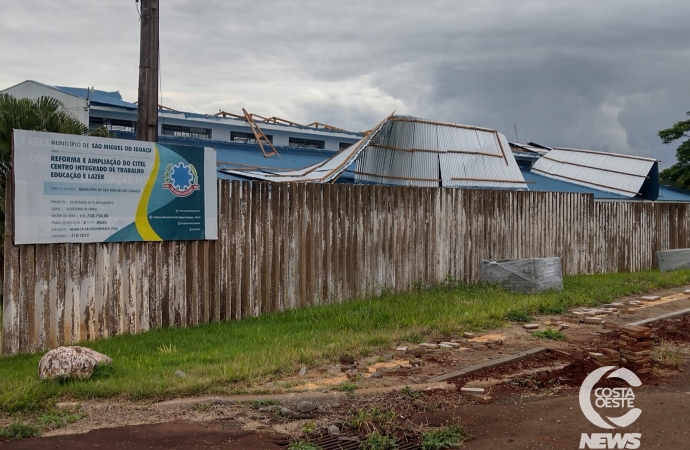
x=112, y=124
x=247, y=138
x=188, y=132
x=344, y=145
x=307, y=143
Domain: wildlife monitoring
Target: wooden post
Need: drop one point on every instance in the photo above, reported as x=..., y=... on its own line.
x=147, y=106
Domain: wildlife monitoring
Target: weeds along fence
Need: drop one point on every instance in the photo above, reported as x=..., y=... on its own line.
x=286, y=246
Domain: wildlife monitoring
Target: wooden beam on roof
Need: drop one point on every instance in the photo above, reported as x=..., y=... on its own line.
x=492, y=180
x=324, y=126
x=165, y=107
x=225, y=114
x=547, y=157
x=258, y=134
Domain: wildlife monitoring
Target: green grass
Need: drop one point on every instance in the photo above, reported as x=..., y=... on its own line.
x=302, y=445
x=518, y=316
x=551, y=335
x=376, y=441
x=19, y=430
x=227, y=358
x=372, y=420
x=448, y=437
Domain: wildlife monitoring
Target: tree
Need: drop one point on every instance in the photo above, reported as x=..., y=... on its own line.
x=678, y=174
x=42, y=114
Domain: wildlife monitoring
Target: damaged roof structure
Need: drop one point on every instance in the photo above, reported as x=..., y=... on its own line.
x=625, y=175
x=410, y=151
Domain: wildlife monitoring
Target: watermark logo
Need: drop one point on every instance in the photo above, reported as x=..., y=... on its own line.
x=622, y=397
x=181, y=179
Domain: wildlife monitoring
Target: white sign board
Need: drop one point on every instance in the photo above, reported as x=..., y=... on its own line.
x=86, y=189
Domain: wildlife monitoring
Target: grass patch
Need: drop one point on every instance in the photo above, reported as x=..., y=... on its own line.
x=407, y=390
x=664, y=353
x=372, y=420
x=551, y=335
x=518, y=316
x=228, y=358
x=448, y=437
x=55, y=419
x=302, y=445
x=19, y=430
x=376, y=441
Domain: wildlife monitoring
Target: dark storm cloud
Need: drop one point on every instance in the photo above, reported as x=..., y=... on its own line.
x=602, y=75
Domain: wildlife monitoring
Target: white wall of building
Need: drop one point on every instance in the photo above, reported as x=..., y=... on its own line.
x=30, y=89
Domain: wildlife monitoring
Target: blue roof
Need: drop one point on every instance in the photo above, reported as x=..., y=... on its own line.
x=671, y=194
x=106, y=98
x=97, y=97
x=236, y=155
x=546, y=184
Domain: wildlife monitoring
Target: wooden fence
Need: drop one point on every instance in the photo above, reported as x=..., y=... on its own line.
x=286, y=246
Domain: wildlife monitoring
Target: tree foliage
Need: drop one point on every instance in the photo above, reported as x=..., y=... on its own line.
x=679, y=174
x=42, y=114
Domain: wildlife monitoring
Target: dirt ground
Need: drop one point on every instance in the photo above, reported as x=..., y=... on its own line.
x=534, y=401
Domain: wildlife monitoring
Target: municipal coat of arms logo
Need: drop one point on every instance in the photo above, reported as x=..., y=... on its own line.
x=181, y=179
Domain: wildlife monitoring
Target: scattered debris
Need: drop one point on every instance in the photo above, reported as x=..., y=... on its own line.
x=531, y=326
x=181, y=374
x=472, y=390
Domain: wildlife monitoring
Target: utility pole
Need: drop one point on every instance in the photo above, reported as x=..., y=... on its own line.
x=147, y=106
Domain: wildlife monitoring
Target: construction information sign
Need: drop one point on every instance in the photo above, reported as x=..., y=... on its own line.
x=86, y=189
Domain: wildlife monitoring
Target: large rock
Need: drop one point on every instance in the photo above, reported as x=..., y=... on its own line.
x=70, y=362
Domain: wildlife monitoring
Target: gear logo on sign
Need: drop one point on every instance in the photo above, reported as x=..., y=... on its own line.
x=181, y=179
x=610, y=398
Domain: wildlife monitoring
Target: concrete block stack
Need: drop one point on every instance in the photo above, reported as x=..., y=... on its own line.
x=635, y=348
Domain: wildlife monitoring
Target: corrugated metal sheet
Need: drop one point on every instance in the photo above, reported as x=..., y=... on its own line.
x=408, y=151
x=322, y=172
x=431, y=154
x=609, y=172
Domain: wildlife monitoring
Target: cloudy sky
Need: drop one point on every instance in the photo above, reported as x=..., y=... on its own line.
x=596, y=74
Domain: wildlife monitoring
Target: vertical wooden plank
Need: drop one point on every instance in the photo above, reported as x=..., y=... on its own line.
x=284, y=247
x=328, y=245
x=120, y=316
x=267, y=249
x=222, y=251
x=276, y=222
x=42, y=296
x=317, y=243
x=246, y=251
x=87, y=291
x=131, y=252
x=206, y=270
x=235, y=255
x=12, y=307
x=153, y=302
x=337, y=244
x=292, y=287
x=302, y=226
x=142, y=302
x=192, y=286
x=72, y=325
x=256, y=258
x=180, y=271
x=166, y=285
x=27, y=332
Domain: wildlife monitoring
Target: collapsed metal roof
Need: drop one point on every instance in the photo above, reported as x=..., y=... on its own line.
x=626, y=175
x=410, y=151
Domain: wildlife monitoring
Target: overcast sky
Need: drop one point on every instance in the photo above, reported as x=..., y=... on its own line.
x=595, y=74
